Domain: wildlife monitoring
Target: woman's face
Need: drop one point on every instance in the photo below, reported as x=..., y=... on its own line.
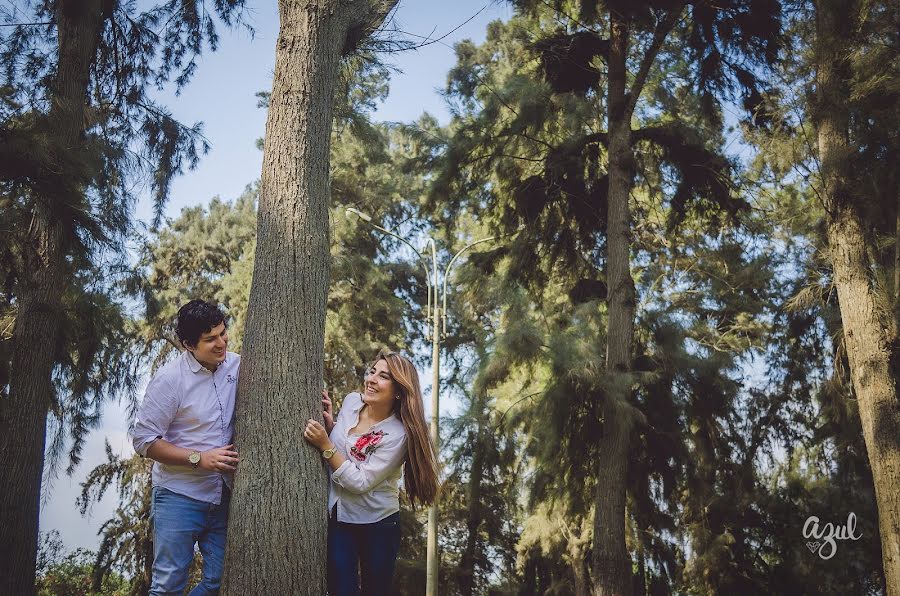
x=380, y=387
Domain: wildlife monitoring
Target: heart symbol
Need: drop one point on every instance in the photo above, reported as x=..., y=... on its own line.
x=813, y=546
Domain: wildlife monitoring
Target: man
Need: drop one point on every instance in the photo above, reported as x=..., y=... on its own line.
x=186, y=425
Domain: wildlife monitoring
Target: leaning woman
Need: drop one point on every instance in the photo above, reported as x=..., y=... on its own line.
x=376, y=435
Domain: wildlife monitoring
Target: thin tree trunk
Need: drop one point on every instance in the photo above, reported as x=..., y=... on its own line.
x=23, y=417
x=277, y=528
x=896, y=295
x=642, y=564
x=867, y=332
x=473, y=515
x=611, y=562
x=581, y=577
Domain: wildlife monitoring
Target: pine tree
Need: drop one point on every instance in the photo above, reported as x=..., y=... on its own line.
x=75, y=105
x=561, y=148
x=828, y=126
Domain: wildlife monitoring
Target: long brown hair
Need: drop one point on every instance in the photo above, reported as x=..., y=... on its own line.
x=420, y=467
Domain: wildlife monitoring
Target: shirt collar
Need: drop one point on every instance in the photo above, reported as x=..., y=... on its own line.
x=195, y=365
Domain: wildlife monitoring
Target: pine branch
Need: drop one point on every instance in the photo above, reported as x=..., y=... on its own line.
x=659, y=36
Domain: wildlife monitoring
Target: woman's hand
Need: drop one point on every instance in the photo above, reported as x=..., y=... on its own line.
x=327, y=412
x=316, y=436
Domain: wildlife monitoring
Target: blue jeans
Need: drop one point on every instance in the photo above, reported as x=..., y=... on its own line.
x=370, y=547
x=178, y=523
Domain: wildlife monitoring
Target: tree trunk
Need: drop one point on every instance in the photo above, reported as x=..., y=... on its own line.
x=869, y=352
x=473, y=517
x=473, y=496
x=23, y=417
x=611, y=562
x=277, y=527
x=867, y=332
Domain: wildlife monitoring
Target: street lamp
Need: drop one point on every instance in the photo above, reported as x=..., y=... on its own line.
x=436, y=317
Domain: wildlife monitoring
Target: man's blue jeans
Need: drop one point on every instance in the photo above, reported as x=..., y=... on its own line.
x=371, y=547
x=178, y=523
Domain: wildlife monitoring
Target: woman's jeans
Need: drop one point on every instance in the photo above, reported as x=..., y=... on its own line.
x=371, y=547
x=178, y=523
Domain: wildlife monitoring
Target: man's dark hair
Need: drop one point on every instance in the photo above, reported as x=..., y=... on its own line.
x=196, y=318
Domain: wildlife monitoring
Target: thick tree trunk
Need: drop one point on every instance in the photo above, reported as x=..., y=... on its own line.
x=23, y=416
x=611, y=562
x=277, y=528
x=869, y=351
x=867, y=332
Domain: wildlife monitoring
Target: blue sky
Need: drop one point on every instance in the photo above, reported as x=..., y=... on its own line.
x=222, y=96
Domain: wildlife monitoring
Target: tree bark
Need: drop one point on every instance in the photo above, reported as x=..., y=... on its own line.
x=277, y=529
x=611, y=562
x=473, y=495
x=867, y=331
x=23, y=416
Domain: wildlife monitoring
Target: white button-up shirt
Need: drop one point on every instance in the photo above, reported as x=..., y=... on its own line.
x=366, y=487
x=190, y=407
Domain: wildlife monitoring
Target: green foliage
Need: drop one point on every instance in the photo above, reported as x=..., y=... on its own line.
x=724, y=380
x=209, y=253
x=738, y=391
x=86, y=191
x=480, y=500
x=71, y=575
x=126, y=545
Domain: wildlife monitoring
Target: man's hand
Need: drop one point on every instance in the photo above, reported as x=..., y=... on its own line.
x=222, y=459
x=328, y=412
x=316, y=436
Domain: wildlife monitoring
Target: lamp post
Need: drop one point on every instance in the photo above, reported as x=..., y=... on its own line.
x=436, y=319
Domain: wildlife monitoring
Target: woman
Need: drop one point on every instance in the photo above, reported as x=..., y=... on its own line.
x=376, y=434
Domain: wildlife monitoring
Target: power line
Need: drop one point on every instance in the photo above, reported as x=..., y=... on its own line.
x=15, y=7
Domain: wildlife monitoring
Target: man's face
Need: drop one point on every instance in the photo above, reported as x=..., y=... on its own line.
x=210, y=348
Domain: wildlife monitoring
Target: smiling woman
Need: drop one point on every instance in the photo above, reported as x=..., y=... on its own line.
x=377, y=433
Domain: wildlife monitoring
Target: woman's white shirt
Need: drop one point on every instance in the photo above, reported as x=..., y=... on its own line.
x=366, y=487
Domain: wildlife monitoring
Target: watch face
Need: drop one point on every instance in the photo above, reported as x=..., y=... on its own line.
x=194, y=458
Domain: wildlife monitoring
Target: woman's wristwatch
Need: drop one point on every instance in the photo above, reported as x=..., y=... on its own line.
x=329, y=453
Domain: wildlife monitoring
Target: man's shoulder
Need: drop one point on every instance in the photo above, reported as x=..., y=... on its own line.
x=166, y=379
x=171, y=370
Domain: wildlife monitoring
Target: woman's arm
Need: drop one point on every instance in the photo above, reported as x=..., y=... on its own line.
x=359, y=477
x=316, y=436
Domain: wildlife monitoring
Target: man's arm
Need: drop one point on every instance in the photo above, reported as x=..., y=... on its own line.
x=153, y=419
x=154, y=416
x=222, y=459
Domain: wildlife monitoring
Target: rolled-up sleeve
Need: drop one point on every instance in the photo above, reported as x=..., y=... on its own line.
x=361, y=476
x=155, y=415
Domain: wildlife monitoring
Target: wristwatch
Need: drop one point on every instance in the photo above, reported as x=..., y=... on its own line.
x=194, y=458
x=329, y=453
